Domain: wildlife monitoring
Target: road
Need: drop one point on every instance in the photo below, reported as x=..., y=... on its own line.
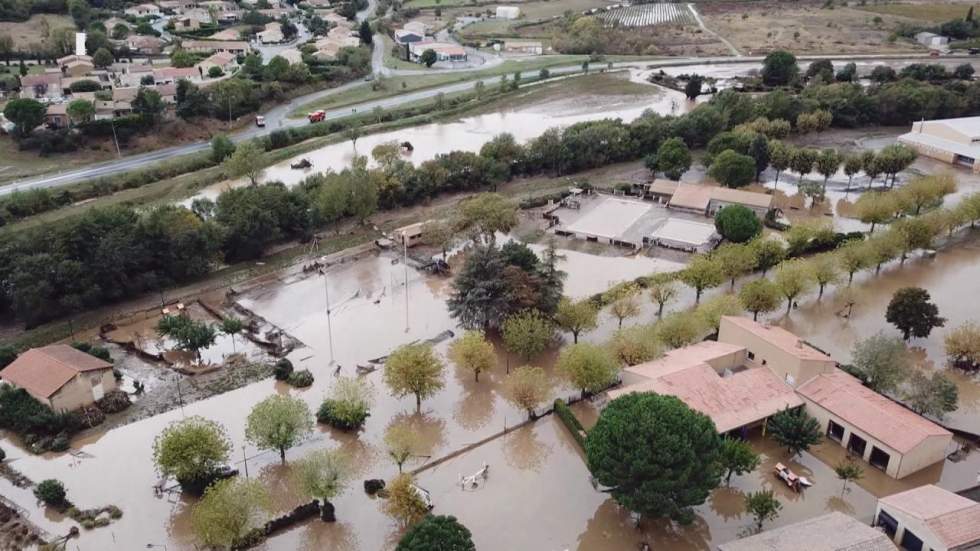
x=278, y=117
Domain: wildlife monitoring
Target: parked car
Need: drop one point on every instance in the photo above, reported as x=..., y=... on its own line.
x=259, y=120
x=317, y=116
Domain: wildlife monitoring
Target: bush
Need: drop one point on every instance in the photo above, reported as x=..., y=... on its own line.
x=571, y=422
x=51, y=492
x=59, y=443
x=21, y=413
x=336, y=414
x=300, y=379
x=737, y=223
x=284, y=368
x=114, y=402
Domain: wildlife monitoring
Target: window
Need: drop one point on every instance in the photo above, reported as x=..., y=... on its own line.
x=879, y=459
x=835, y=431
x=751, y=355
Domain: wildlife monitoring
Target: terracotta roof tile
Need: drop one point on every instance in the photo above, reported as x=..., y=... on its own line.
x=42, y=371
x=954, y=519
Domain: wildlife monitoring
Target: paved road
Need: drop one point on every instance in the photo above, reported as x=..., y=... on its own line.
x=278, y=117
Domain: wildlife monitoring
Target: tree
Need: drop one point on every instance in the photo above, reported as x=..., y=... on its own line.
x=527, y=388
x=679, y=329
x=189, y=334
x=6, y=48
x=636, y=344
x=792, y=278
x=484, y=215
x=962, y=345
x=779, y=68
x=473, y=352
x=364, y=32
x=353, y=133
x=759, y=296
x=191, y=450
x=737, y=457
x=428, y=57
x=852, y=165
x=911, y=311
x=102, y=58
x=662, y=293
x=437, y=533
x=414, y=369
x=278, y=423
x=148, y=104
x=229, y=509
x=576, y=317
x=848, y=471
x=795, y=430
x=26, y=114
x=759, y=151
x=323, y=475
x=8, y=353
x=527, y=333
x=693, y=87
x=81, y=111
x=883, y=73
x=247, y=161
x=768, y=253
x=737, y=223
x=925, y=192
x=626, y=304
x=709, y=313
x=232, y=326
x=51, y=492
x=763, y=506
x=821, y=69
x=911, y=234
x=852, y=257
x=440, y=234
x=934, y=395
x=405, y=501
x=673, y=158
x=221, y=148
x=780, y=156
x=848, y=73
x=656, y=456
x=736, y=259
x=589, y=367
x=702, y=272
x=883, y=362
x=349, y=404
x=400, y=442
x=802, y=162
x=964, y=71
x=732, y=169
x=825, y=271
x=828, y=161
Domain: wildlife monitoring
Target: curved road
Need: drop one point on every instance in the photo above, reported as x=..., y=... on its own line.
x=277, y=118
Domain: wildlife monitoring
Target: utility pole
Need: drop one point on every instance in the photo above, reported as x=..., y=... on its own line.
x=405, y=262
x=112, y=123
x=326, y=295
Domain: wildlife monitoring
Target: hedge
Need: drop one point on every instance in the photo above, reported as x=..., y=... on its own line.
x=571, y=422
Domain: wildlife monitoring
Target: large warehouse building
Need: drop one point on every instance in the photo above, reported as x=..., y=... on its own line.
x=955, y=141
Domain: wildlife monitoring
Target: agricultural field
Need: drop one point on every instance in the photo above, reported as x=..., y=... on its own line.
x=644, y=15
x=925, y=11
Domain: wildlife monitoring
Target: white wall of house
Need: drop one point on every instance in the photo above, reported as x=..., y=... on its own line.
x=908, y=523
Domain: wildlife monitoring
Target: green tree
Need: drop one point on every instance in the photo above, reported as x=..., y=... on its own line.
x=883, y=362
x=962, y=345
x=221, y=148
x=795, y=430
x=527, y=388
x=793, y=278
x=148, y=104
x=51, y=492
x=732, y=169
x=365, y=32
x=437, y=533
x=825, y=270
x=913, y=313
x=322, y=475
x=102, y=58
x=589, y=367
x=737, y=223
x=656, y=456
x=693, y=87
x=527, y=333
x=636, y=344
x=8, y=353
x=934, y=395
x=911, y=234
x=404, y=501
x=349, y=404
x=763, y=506
x=852, y=165
x=191, y=450
x=802, y=162
x=673, y=158
x=679, y=329
x=737, y=457
x=662, y=293
x=190, y=335
x=247, y=161
x=485, y=214
x=414, y=369
x=428, y=57
x=875, y=208
x=759, y=151
x=81, y=111
x=759, y=296
x=576, y=317
x=853, y=256
x=26, y=114
x=626, y=304
x=473, y=352
x=780, y=156
x=779, y=68
x=848, y=471
x=401, y=443
x=710, y=312
x=702, y=272
x=229, y=509
x=828, y=161
x=278, y=423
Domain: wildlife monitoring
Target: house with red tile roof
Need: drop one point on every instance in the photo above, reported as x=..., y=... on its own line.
x=60, y=376
x=929, y=518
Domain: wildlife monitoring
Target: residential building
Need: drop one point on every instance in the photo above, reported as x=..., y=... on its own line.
x=60, y=376
x=272, y=34
x=170, y=75
x=176, y=5
x=185, y=23
x=209, y=46
x=57, y=116
x=508, y=12
x=405, y=36
x=830, y=532
x=328, y=46
x=143, y=10
x=445, y=51
x=789, y=357
x=954, y=141
x=929, y=518
x=131, y=74
x=225, y=61
x=932, y=40
x=706, y=199
x=880, y=431
x=44, y=85
x=75, y=65
x=409, y=235
x=717, y=379
x=145, y=44
x=227, y=34
x=525, y=47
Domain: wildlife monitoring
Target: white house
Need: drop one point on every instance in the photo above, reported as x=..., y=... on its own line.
x=929, y=518
x=143, y=10
x=272, y=33
x=954, y=141
x=508, y=12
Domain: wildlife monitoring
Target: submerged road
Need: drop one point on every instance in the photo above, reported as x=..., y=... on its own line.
x=278, y=117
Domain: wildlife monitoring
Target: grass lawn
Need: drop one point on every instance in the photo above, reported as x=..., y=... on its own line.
x=392, y=62
x=931, y=11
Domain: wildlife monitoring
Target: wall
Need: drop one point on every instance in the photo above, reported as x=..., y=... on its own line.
x=780, y=362
x=824, y=416
x=906, y=522
x=931, y=451
x=78, y=392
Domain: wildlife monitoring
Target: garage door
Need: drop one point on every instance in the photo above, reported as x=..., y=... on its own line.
x=911, y=542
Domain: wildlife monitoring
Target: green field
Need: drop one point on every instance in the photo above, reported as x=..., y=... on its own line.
x=931, y=11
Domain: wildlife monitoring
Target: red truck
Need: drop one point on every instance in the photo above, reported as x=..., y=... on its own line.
x=317, y=116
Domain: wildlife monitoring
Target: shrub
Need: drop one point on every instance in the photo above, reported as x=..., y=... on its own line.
x=284, y=368
x=88, y=524
x=59, y=443
x=300, y=379
x=114, y=512
x=571, y=422
x=114, y=402
x=737, y=223
x=51, y=492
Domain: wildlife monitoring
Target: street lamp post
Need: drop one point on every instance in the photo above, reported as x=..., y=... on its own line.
x=326, y=295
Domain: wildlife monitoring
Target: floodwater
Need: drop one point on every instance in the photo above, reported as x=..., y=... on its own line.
x=525, y=120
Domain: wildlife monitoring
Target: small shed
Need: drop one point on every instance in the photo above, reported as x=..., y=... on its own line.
x=61, y=377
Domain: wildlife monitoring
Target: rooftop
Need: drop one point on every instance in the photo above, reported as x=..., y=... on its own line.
x=42, y=371
x=691, y=196
x=831, y=532
x=779, y=337
x=970, y=126
x=698, y=196
x=954, y=519
x=684, y=231
x=881, y=418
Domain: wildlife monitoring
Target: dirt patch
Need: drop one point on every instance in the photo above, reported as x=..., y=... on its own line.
x=929, y=10
x=16, y=532
x=803, y=27
x=35, y=33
